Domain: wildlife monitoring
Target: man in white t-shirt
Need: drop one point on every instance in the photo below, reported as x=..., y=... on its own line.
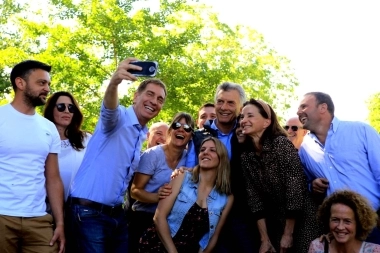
x=29, y=172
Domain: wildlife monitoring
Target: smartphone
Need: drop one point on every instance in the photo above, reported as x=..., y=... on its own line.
x=149, y=68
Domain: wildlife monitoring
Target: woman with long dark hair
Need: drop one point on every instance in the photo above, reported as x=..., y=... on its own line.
x=63, y=110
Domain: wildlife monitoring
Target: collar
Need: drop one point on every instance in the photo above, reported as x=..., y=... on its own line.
x=212, y=124
x=134, y=121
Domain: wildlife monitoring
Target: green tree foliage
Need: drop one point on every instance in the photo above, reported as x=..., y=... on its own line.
x=85, y=40
x=374, y=111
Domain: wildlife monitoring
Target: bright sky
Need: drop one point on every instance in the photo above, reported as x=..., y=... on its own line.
x=333, y=45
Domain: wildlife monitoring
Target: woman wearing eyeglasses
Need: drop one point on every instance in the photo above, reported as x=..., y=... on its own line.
x=276, y=184
x=62, y=109
x=155, y=168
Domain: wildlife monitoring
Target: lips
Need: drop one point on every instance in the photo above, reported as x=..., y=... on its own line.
x=149, y=108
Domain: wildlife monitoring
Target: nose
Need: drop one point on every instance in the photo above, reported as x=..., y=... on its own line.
x=224, y=106
x=47, y=87
x=340, y=225
x=289, y=130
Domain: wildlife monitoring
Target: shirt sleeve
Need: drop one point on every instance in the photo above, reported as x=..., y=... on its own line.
x=148, y=162
x=191, y=159
x=255, y=203
x=109, y=119
x=294, y=176
x=373, y=147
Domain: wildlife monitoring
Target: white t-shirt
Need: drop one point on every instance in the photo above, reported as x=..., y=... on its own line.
x=25, y=143
x=69, y=161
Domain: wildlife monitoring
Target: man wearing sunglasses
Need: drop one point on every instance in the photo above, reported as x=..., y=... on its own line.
x=29, y=167
x=295, y=131
x=113, y=153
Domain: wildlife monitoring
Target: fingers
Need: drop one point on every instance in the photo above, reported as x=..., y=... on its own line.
x=164, y=191
x=122, y=71
x=320, y=185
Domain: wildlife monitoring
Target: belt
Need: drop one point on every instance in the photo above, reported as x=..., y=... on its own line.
x=104, y=209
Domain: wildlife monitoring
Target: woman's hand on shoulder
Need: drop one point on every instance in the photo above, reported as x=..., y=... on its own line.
x=178, y=171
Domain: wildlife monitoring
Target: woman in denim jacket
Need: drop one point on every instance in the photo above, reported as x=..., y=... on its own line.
x=191, y=217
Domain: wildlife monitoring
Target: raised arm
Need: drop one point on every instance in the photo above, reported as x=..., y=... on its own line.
x=121, y=73
x=54, y=189
x=163, y=209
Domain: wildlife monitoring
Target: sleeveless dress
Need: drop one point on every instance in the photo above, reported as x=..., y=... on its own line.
x=194, y=226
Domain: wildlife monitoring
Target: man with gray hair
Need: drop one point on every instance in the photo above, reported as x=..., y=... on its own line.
x=229, y=99
x=237, y=234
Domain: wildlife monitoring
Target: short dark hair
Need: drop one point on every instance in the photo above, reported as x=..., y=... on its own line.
x=73, y=131
x=144, y=84
x=23, y=70
x=206, y=105
x=323, y=98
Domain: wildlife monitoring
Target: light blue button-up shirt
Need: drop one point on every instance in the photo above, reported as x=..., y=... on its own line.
x=192, y=157
x=350, y=159
x=112, y=155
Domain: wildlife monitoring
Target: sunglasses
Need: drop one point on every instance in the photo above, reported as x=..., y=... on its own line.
x=294, y=128
x=186, y=127
x=62, y=107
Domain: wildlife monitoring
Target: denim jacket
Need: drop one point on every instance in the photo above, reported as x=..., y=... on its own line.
x=185, y=200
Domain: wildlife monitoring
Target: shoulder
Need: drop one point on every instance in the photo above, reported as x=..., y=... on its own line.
x=316, y=246
x=371, y=248
x=154, y=151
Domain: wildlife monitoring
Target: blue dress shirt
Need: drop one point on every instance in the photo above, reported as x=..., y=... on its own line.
x=112, y=155
x=192, y=158
x=350, y=159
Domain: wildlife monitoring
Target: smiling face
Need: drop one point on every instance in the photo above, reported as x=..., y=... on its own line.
x=296, y=137
x=179, y=137
x=157, y=135
x=63, y=119
x=252, y=122
x=239, y=132
x=148, y=103
x=227, y=106
x=204, y=114
x=309, y=112
x=342, y=223
x=208, y=157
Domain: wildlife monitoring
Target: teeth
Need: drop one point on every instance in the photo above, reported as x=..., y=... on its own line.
x=179, y=136
x=149, y=108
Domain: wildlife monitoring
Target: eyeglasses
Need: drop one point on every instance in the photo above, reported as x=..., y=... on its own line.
x=294, y=128
x=186, y=127
x=62, y=107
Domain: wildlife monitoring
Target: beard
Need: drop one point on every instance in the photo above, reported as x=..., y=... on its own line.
x=32, y=99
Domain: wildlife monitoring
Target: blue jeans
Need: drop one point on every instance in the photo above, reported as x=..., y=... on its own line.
x=374, y=236
x=95, y=232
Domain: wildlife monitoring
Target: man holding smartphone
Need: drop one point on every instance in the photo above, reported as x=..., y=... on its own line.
x=99, y=223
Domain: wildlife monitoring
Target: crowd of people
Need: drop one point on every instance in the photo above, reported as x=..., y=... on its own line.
x=233, y=180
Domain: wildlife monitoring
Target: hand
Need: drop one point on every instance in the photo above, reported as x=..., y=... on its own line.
x=320, y=185
x=266, y=246
x=164, y=191
x=176, y=172
x=328, y=237
x=122, y=73
x=59, y=235
x=286, y=243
